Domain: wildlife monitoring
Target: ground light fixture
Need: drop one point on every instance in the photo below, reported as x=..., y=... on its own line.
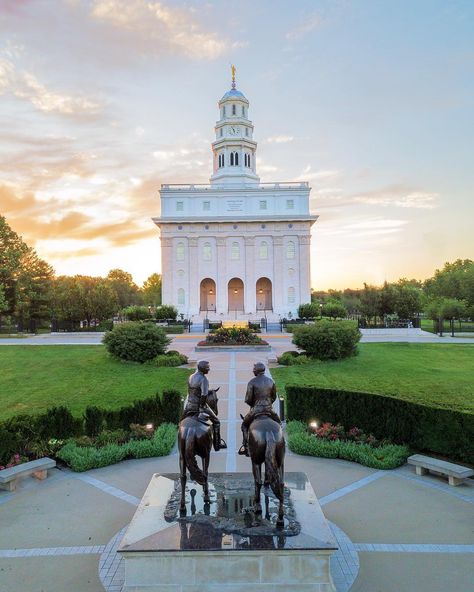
x=149, y=426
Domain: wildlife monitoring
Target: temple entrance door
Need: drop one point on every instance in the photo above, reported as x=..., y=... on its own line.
x=264, y=294
x=235, y=291
x=208, y=295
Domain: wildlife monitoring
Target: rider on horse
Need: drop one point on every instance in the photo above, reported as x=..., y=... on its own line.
x=261, y=393
x=196, y=402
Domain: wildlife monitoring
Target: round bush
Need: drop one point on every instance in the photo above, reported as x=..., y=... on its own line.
x=292, y=358
x=169, y=360
x=328, y=340
x=136, y=342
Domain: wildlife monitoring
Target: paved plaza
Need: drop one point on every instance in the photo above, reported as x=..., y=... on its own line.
x=396, y=532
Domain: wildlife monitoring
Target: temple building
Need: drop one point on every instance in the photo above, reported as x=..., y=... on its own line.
x=235, y=248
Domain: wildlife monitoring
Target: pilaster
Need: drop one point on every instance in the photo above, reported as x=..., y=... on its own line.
x=250, y=303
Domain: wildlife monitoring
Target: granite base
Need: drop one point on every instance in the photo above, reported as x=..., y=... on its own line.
x=224, y=546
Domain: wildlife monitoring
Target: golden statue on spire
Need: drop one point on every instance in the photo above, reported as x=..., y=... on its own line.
x=233, y=75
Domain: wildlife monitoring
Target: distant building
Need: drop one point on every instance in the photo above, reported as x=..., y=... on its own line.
x=237, y=246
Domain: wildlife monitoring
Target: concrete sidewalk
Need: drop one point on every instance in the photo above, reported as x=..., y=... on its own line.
x=396, y=532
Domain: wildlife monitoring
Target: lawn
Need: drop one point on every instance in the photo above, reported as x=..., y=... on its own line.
x=431, y=374
x=33, y=378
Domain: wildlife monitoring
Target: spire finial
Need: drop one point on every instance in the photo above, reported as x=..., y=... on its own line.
x=233, y=75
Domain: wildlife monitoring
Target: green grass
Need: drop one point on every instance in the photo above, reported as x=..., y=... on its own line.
x=33, y=378
x=431, y=374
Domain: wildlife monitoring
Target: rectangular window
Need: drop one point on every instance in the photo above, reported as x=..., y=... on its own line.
x=206, y=206
x=263, y=204
x=246, y=131
x=179, y=206
x=290, y=204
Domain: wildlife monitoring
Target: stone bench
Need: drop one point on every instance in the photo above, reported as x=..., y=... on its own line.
x=455, y=473
x=38, y=468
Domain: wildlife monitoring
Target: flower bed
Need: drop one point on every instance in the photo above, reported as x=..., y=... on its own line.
x=332, y=441
x=82, y=457
x=16, y=459
x=232, y=336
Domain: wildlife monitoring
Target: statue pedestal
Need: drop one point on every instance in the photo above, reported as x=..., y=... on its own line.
x=224, y=546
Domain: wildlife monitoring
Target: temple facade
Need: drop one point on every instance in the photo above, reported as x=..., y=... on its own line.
x=235, y=247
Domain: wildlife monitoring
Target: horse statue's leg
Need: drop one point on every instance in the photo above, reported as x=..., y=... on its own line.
x=257, y=477
x=205, y=470
x=182, y=469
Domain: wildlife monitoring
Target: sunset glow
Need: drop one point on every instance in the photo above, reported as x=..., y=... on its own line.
x=371, y=102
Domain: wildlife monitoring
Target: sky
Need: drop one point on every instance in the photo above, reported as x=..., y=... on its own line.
x=102, y=101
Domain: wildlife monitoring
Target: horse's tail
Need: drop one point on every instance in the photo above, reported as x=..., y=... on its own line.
x=272, y=470
x=191, y=463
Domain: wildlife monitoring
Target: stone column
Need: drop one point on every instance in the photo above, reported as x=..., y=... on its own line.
x=249, y=288
x=167, y=270
x=279, y=268
x=194, y=280
x=221, y=287
x=304, y=268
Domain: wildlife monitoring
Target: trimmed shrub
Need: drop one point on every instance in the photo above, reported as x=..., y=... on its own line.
x=136, y=313
x=174, y=329
x=328, y=340
x=58, y=422
x=172, y=406
x=86, y=458
x=166, y=312
x=94, y=420
x=442, y=431
x=112, y=437
x=292, y=358
x=310, y=310
x=335, y=310
x=166, y=360
x=386, y=456
x=136, y=342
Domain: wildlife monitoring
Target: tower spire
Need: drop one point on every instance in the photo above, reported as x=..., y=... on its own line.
x=233, y=75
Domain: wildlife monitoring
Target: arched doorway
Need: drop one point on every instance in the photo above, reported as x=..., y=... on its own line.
x=264, y=294
x=208, y=295
x=235, y=291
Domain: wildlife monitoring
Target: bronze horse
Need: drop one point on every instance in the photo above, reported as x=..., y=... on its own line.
x=195, y=439
x=267, y=445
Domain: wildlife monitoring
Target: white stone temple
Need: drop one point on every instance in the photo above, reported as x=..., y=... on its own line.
x=236, y=248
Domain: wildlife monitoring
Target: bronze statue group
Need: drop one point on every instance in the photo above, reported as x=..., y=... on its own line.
x=263, y=439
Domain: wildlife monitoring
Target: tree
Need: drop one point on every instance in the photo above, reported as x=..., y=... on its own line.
x=445, y=308
x=3, y=300
x=370, y=302
x=455, y=280
x=82, y=298
x=152, y=290
x=408, y=300
x=125, y=289
x=12, y=249
x=33, y=287
x=387, y=299
x=334, y=310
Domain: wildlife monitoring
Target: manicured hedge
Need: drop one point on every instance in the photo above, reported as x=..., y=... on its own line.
x=19, y=434
x=81, y=458
x=442, y=431
x=386, y=456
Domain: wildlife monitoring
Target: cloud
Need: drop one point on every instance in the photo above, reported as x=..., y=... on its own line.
x=311, y=22
x=279, y=139
x=155, y=26
x=308, y=175
x=27, y=87
x=399, y=196
x=375, y=227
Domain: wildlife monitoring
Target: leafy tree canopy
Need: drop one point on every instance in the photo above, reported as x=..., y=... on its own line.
x=152, y=290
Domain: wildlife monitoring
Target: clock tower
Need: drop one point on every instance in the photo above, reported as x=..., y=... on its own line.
x=234, y=149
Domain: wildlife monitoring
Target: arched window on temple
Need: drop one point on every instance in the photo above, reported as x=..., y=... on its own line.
x=235, y=251
x=290, y=250
x=180, y=252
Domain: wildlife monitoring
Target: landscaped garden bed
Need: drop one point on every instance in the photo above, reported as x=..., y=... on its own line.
x=228, y=338
x=107, y=435
x=333, y=441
